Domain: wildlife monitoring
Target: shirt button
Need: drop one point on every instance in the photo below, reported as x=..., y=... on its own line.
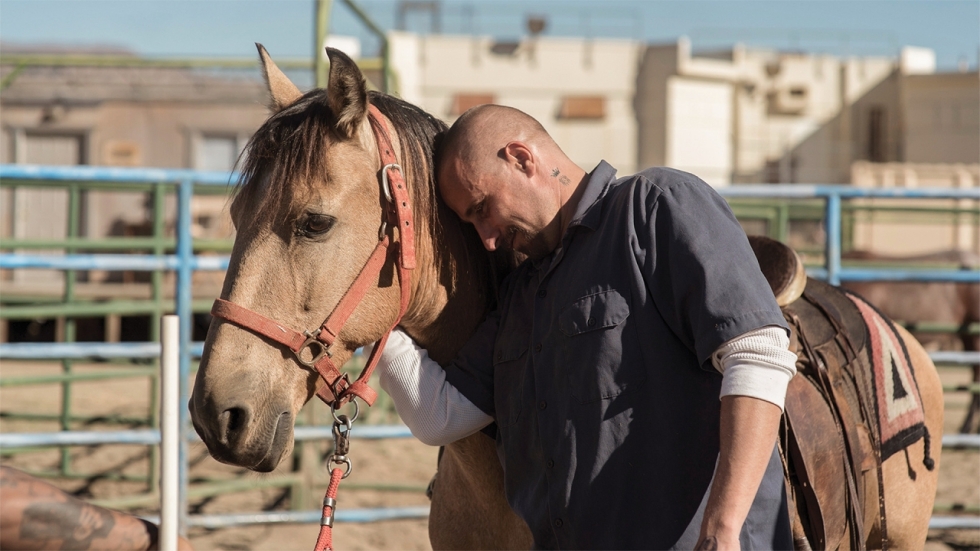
x=551, y=463
x=591, y=322
x=542, y=293
x=537, y=347
x=558, y=523
x=542, y=405
x=500, y=356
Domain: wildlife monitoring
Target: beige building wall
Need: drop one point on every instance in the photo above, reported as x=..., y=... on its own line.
x=942, y=118
x=698, y=128
x=774, y=117
x=581, y=90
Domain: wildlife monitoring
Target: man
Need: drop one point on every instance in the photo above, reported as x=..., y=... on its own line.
x=601, y=364
x=36, y=515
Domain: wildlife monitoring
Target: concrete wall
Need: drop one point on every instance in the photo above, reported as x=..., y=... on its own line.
x=699, y=128
x=942, y=118
x=535, y=76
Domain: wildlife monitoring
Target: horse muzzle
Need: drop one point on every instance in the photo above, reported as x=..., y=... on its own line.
x=239, y=435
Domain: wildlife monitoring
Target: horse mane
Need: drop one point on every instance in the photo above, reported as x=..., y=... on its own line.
x=287, y=151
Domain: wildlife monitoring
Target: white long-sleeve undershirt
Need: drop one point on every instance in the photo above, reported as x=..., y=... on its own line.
x=756, y=364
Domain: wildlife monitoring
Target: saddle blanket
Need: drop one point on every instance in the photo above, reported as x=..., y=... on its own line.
x=897, y=402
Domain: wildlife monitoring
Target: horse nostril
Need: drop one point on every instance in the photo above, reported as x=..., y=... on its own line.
x=232, y=421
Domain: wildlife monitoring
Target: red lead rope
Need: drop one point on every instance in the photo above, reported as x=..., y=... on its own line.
x=324, y=541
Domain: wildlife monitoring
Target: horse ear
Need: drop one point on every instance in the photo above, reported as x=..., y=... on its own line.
x=282, y=90
x=346, y=92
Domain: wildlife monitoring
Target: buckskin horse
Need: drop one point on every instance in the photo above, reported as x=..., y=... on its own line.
x=316, y=213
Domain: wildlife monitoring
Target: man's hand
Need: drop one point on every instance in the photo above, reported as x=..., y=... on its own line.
x=749, y=427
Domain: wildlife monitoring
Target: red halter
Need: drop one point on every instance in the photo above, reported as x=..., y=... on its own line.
x=398, y=213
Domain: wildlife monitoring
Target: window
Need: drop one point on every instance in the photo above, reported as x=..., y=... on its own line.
x=464, y=102
x=217, y=152
x=582, y=108
x=876, y=134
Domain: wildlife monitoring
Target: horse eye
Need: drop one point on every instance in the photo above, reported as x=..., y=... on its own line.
x=316, y=224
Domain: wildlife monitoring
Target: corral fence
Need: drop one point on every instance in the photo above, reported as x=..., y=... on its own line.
x=171, y=257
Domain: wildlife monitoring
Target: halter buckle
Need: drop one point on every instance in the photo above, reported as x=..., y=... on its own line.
x=385, y=184
x=311, y=342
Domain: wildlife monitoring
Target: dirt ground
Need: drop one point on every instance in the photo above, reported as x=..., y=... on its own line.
x=403, y=462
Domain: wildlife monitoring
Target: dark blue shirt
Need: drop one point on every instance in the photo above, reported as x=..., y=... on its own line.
x=596, y=366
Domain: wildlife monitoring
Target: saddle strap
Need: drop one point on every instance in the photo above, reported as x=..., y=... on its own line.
x=846, y=345
x=829, y=385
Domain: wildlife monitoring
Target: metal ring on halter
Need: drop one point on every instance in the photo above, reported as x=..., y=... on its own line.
x=343, y=460
x=309, y=342
x=385, y=184
x=346, y=421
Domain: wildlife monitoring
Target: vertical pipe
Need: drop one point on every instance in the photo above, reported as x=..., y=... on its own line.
x=782, y=221
x=386, y=86
x=833, y=238
x=322, y=27
x=74, y=204
x=156, y=288
x=169, y=431
x=183, y=305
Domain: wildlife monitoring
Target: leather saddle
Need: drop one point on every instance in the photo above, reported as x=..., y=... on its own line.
x=825, y=441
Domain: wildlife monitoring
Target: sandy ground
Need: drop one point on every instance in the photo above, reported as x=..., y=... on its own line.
x=403, y=462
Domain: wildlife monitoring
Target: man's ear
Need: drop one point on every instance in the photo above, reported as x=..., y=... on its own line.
x=520, y=155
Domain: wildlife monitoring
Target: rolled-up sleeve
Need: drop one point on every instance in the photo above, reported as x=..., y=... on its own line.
x=699, y=268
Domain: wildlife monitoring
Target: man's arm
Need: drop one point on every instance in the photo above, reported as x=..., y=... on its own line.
x=756, y=367
x=749, y=427
x=36, y=515
x=435, y=411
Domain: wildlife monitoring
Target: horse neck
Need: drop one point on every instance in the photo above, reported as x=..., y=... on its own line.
x=449, y=296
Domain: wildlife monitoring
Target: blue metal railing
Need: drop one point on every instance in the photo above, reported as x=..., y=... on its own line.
x=832, y=272
x=184, y=262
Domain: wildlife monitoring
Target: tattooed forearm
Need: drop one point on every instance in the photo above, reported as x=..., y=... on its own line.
x=36, y=515
x=75, y=523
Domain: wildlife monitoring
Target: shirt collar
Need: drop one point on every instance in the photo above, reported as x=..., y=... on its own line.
x=595, y=188
x=588, y=212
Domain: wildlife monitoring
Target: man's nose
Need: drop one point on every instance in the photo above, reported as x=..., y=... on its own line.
x=489, y=236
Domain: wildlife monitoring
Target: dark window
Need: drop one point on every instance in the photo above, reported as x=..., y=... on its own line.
x=582, y=107
x=876, y=134
x=464, y=102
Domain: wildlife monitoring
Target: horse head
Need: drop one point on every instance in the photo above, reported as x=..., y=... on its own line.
x=309, y=212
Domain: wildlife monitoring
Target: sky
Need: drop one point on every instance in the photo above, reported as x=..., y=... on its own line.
x=228, y=28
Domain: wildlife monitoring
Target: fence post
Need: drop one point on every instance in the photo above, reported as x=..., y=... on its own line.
x=833, y=238
x=185, y=252
x=170, y=432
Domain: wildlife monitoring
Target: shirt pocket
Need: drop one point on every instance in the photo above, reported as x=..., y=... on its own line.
x=509, y=367
x=595, y=326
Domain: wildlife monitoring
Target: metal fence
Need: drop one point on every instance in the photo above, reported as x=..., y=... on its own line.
x=178, y=255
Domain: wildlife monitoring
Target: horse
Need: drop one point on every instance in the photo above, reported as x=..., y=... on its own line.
x=941, y=301
x=307, y=212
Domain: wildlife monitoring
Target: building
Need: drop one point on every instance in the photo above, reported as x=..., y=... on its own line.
x=118, y=116
x=759, y=116
x=581, y=90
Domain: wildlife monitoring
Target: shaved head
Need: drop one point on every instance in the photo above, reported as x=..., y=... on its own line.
x=499, y=170
x=479, y=133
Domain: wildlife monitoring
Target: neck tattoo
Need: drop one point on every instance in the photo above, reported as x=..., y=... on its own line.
x=561, y=177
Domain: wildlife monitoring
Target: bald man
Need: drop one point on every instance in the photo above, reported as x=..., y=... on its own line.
x=36, y=515
x=637, y=364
